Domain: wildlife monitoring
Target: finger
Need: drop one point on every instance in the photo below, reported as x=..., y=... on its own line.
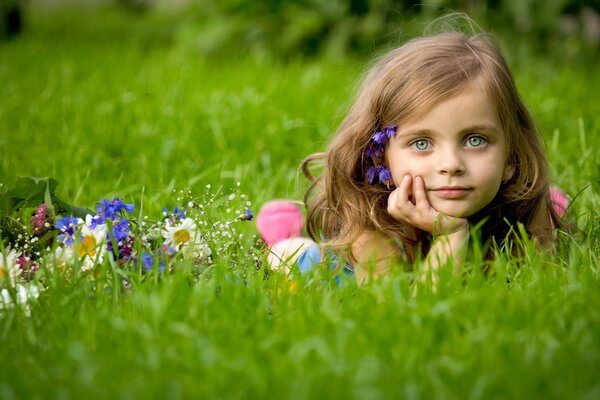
x=393, y=199
x=397, y=203
x=406, y=190
x=419, y=192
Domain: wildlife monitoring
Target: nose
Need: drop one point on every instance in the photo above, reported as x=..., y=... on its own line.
x=451, y=162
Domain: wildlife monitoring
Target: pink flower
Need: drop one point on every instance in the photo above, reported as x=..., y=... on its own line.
x=40, y=222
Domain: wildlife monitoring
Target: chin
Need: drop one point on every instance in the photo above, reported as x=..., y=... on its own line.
x=453, y=211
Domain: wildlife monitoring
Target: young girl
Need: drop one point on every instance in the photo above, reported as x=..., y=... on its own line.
x=438, y=141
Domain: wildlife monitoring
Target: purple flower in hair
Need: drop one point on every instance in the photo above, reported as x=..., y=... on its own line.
x=370, y=175
x=380, y=173
x=385, y=176
x=379, y=137
x=390, y=131
x=374, y=151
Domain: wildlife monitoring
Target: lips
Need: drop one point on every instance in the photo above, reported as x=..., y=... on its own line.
x=451, y=192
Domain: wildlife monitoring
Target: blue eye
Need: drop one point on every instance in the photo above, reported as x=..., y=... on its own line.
x=420, y=144
x=476, y=141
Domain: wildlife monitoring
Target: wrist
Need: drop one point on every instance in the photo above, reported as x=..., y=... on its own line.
x=458, y=234
x=450, y=227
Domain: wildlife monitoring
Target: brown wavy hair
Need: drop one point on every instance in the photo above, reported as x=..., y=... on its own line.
x=403, y=84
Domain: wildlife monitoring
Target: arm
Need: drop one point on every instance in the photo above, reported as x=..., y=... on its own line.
x=408, y=203
x=374, y=255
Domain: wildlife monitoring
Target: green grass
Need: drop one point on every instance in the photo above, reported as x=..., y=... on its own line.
x=112, y=106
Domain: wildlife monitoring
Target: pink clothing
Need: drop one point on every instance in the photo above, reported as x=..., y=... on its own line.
x=279, y=219
x=560, y=201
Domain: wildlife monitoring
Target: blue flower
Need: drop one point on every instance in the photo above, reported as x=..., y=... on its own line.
x=121, y=230
x=67, y=226
x=247, y=215
x=109, y=209
x=97, y=220
x=177, y=214
x=147, y=261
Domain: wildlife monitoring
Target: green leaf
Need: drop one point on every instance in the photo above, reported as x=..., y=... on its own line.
x=33, y=191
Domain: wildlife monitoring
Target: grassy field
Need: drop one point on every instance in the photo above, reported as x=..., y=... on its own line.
x=111, y=106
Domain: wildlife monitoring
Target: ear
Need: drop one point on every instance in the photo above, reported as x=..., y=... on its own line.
x=509, y=171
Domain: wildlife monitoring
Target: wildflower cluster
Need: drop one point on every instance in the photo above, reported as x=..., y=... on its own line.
x=193, y=231
x=377, y=172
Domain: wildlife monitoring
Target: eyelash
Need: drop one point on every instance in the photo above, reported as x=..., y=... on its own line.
x=484, y=142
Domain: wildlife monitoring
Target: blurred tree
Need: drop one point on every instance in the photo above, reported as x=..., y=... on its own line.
x=136, y=6
x=11, y=22
x=334, y=28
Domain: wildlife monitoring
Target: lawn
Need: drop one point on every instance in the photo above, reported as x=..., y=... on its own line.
x=110, y=105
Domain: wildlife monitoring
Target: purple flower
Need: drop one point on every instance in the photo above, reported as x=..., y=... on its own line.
x=121, y=232
x=126, y=248
x=67, y=226
x=380, y=173
x=390, y=131
x=385, y=175
x=379, y=137
x=371, y=172
x=374, y=150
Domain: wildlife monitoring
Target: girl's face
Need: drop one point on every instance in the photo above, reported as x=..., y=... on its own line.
x=459, y=149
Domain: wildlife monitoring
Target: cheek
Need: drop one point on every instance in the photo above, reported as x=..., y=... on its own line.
x=398, y=173
x=404, y=163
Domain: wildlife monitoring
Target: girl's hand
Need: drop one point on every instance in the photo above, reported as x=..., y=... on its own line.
x=408, y=203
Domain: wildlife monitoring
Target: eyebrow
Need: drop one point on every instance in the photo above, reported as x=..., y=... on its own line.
x=474, y=128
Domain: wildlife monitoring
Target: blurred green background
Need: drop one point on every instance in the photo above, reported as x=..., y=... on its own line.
x=114, y=96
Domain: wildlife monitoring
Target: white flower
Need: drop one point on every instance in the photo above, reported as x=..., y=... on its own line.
x=198, y=251
x=8, y=265
x=25, y=294
x=92, y=243
x=61, y=258
x=182, y=234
